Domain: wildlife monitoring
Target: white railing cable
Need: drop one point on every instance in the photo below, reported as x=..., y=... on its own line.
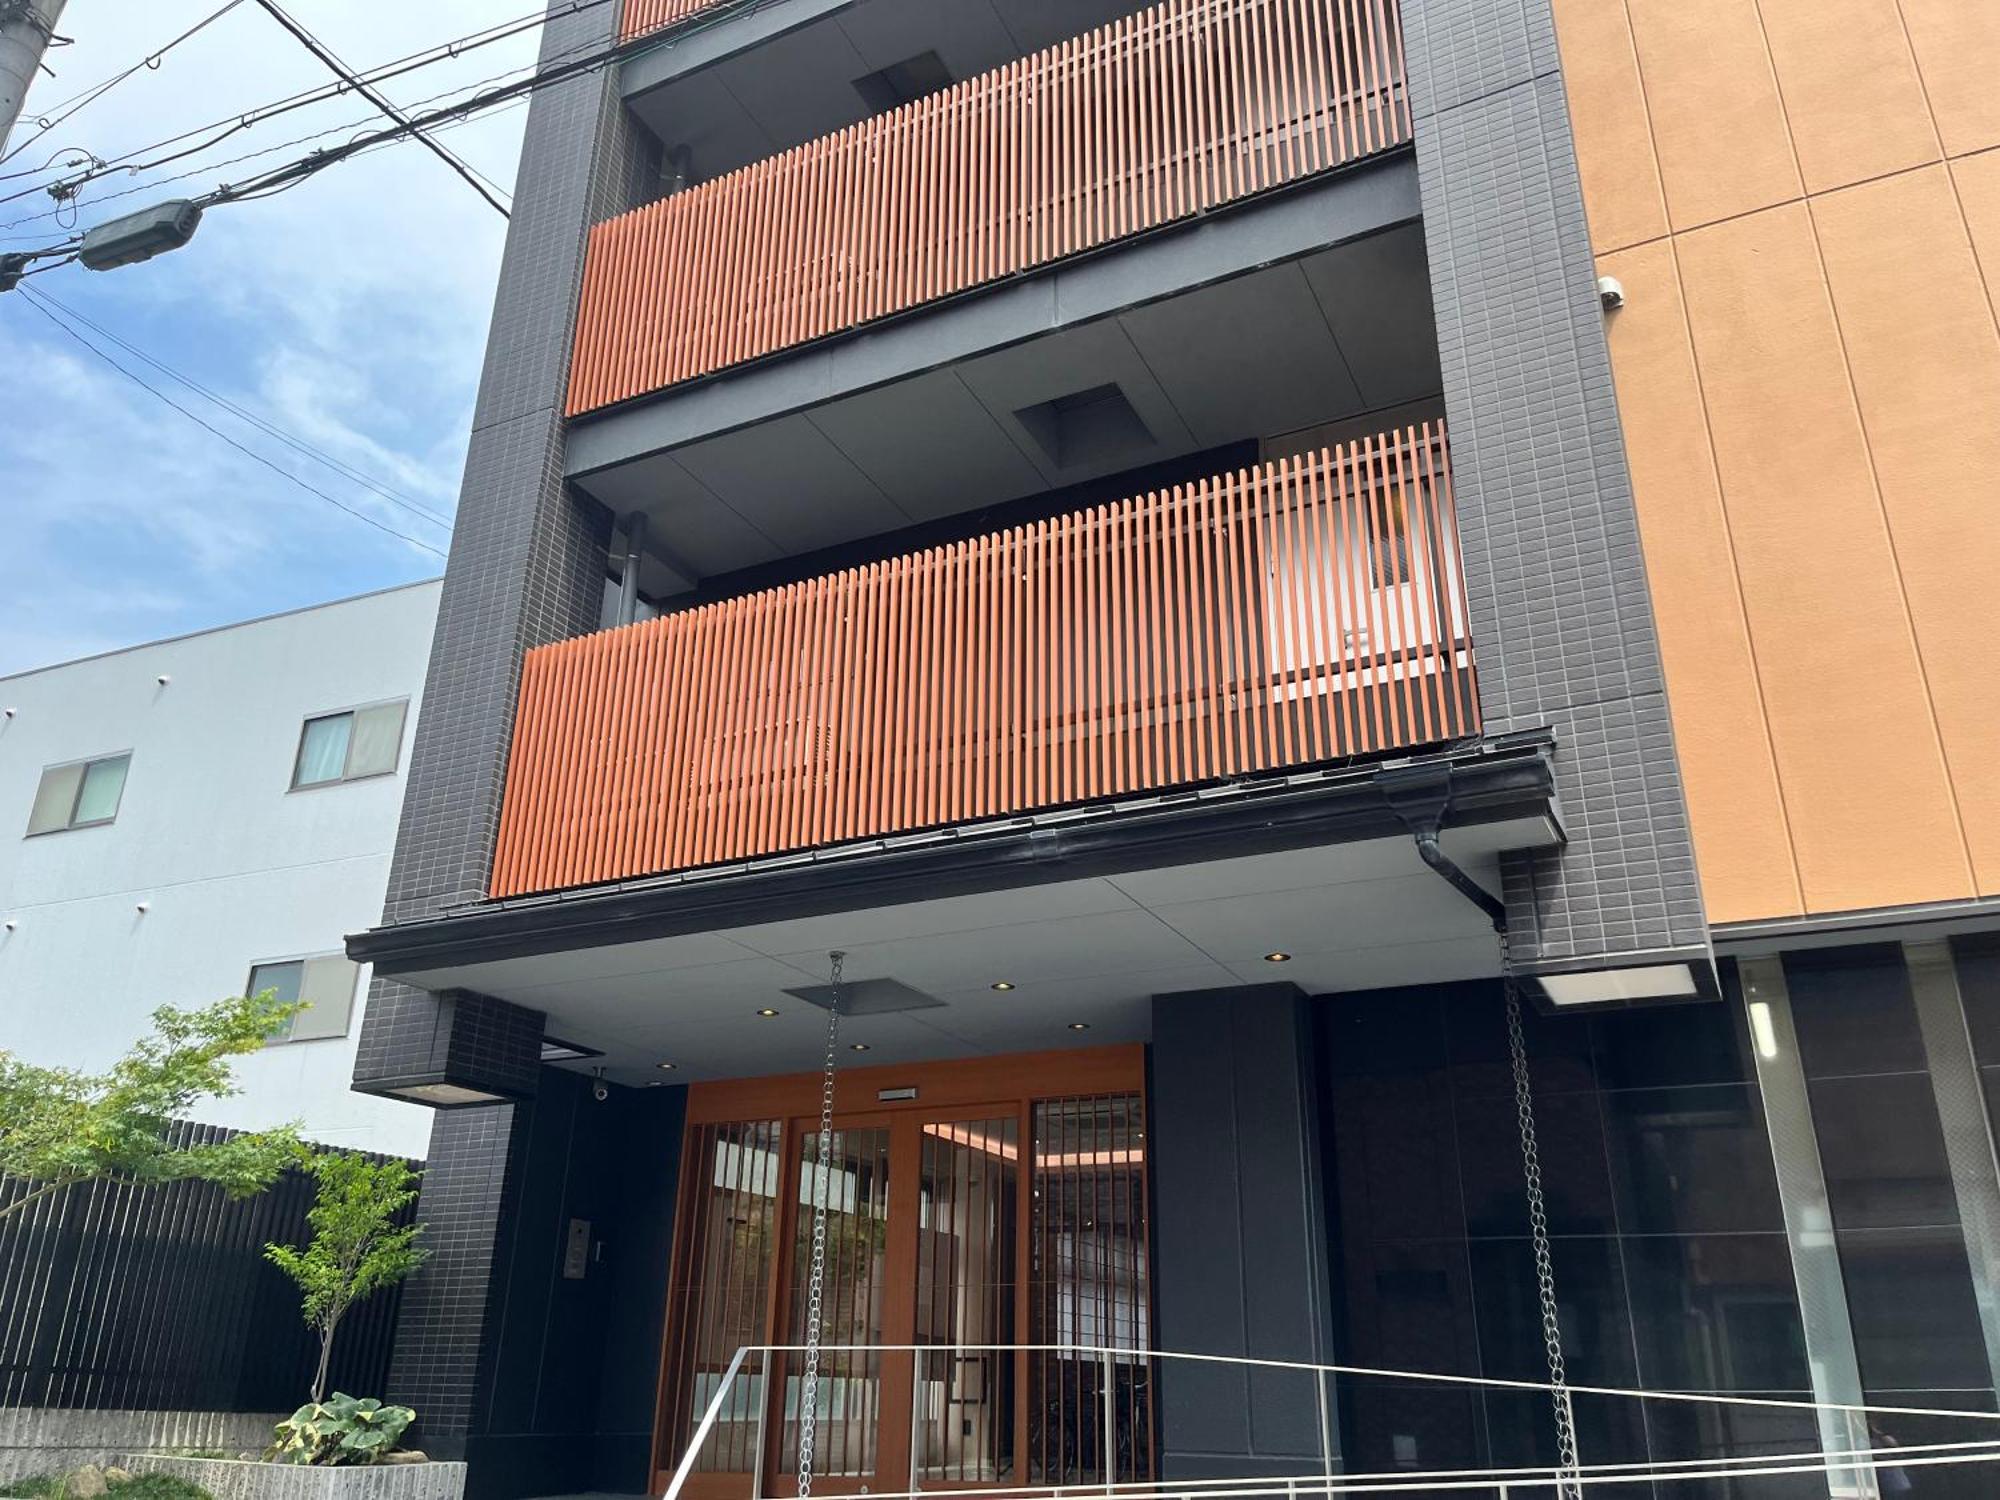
x=1325, y=1483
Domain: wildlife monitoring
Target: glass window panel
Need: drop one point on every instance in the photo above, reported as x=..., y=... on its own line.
x=323, y=750
x=1976, y=957
x=1576, y=1177
x=284, y=981
x=1691, y=1160
x=968, y=1177
x=1883, y=1152
x=1591, y=1301
x=378, y=735
x=328, y=987
x=1666, y=1045
x=1853, y=1011
x=103, y=785
x=55, y=798
x=1716, y=1313
x=850, y=1384
x=1915, y=1315
x=718, y=1300
x=1087, y=1285
x=1942, y=1481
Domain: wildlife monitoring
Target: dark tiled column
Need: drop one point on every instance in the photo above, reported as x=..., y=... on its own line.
x=442, y=1355
x=1561, y=617
x=527, y=567
x=1240, y=1242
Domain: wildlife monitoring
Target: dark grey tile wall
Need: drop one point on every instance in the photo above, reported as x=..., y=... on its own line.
x=527, y=567
x=441, y=1343
x=527, y=556
x=1561, y=614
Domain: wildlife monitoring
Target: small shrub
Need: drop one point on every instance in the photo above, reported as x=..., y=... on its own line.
x=136, y=1487
x=157, y=1487
x=339, y=1430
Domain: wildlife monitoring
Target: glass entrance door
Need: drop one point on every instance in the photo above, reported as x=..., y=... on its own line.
x=951, y=1227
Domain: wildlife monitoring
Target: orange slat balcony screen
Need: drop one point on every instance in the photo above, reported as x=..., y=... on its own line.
x=642, y=16
x=1154, y=118
x=1309, y=610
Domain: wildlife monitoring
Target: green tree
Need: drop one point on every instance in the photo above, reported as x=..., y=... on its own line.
x=357, y=1247
x=60, y=1126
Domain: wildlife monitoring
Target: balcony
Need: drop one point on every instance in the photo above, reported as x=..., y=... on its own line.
x=1153, y=120
x=1302, y=612
x=644, y=16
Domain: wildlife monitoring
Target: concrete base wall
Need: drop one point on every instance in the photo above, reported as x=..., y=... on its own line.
x=38, y=1441
x=228, y=1479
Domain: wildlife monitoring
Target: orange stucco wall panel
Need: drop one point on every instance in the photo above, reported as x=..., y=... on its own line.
x=1872, y=814
x=1977, y=179
x=1957, y=44
x=1852, y=99
x=1726, y=762
x=1808, y=369
x=1717, y=120
x=1925, y=357
x=1621, y=179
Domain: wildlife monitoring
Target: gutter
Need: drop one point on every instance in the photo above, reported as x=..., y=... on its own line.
x=1477, y=782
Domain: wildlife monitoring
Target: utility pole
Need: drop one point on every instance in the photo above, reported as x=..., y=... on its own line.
x=25, y=29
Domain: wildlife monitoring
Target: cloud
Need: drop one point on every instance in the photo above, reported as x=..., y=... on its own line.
x=350, y=311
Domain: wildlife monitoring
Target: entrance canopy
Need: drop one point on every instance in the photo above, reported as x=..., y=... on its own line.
x=1066, y=963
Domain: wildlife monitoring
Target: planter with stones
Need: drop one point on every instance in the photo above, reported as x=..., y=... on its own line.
x=244, y=1479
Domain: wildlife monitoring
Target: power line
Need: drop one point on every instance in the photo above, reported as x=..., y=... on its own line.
x=202, y=171
x=290, y=440
x=37, y=303
x=220, y=130
x=380, y=100
x=76, y=102
x=283, y=178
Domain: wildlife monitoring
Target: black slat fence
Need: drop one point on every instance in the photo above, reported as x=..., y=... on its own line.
x=159, y=1299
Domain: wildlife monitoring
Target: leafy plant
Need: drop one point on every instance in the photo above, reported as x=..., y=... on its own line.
x=357, y=1247
x=339, y=1430
x=61, y=1126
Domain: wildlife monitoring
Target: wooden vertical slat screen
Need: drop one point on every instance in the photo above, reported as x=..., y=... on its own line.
x=1308, y=610
x=1157, y=117
x=642, y=16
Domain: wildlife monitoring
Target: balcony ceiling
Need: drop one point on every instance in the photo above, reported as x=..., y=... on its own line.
x=1331, y=335
x=1353, y=915
x=751, y=87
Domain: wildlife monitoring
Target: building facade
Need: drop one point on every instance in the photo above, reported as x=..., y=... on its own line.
x=210, y=816
x=1187, y=567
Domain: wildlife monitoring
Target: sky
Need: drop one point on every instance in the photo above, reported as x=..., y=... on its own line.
x=350, y=312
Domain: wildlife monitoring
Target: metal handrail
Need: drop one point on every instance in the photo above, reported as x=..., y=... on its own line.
x=1328, y=1482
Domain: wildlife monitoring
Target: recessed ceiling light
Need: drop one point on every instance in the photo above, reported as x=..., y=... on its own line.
x=1079, y=1026
x=1277, y=958
x=656, y=1083
x=767, y=1012
x=857, y=1046
x=666, y=1067
x=1003, y=985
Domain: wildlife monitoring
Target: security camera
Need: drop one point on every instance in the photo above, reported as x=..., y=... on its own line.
x=163, y=679
x=1610, y=293
x=599, y=1089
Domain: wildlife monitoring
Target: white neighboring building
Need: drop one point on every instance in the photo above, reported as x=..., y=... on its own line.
x=177, y=815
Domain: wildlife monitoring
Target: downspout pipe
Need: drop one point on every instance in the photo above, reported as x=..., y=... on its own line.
x=628, y=579
x=1421, y=796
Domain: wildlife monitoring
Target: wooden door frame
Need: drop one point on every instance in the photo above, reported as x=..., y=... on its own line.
x=960, y=1087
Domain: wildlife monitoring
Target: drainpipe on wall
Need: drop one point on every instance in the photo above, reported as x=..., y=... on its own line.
x=1421, y=796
